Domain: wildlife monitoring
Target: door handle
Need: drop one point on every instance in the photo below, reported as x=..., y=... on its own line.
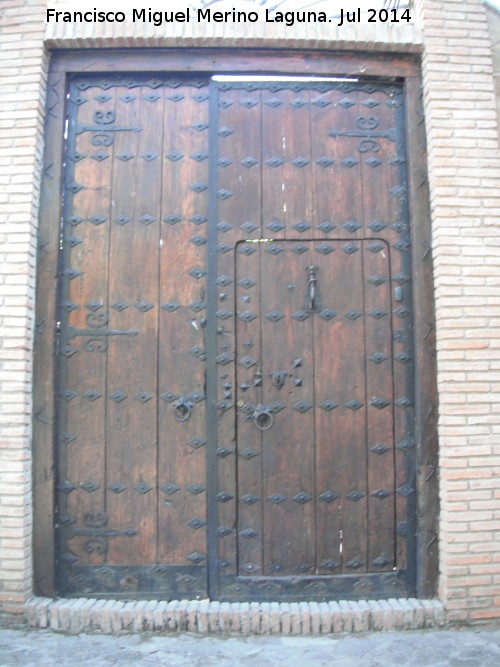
x=312, y=292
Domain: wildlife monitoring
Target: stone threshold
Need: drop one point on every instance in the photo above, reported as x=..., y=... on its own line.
x=225, y=618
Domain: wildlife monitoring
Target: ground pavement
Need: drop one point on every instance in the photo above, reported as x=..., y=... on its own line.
x=439, y=648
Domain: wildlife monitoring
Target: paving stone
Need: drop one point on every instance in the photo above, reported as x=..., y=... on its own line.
x=32, y=647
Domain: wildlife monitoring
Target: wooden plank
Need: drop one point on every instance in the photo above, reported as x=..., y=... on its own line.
x=289, y=61
x=341, y=356
x=46, y=314
x=338, y=186
x=240, y=111
x=131, y=438
x=182, y=453
x=288, y=447
x=424, y=340
x=83, y=419
x=286, y=165
x=380, y=436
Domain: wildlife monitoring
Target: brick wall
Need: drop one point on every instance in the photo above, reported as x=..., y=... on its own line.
x=22, y=74
x=464, y=177
x=461, y=125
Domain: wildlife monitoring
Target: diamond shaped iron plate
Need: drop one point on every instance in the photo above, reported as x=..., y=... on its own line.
x=405, y=490
x=379, y=402
x=248, y=533
x=349, y=248
x=198, y=187
x=377, y=313
x=328, y=496
x=346, y=103
x=171, y=306
x=69, y=394
x=324, y=161
x=274, y=161
x=273, y=102
x=249, y=499
x=247, y=283
x=325, y=248
x=377, y=225
x=195, y=488
x=117, y=396
x=90, y=485
x=301, y=226
x=276, y=498
x=328, y=405
x=275, y=406
x=354, y=405
x=326, y=226
x=247, y=316
x=349, y=161
x=321, y=102
x=300, y=315
x=249, y=161
x=299, y=162
x=92, y=395
x=142, y=487
x=143, y=397
x=301, y=498
x=224, y=497
x=378, y=357
x=196, y=442
x=169, y=488
x=143, y=305
x=275, y=226
x=299, y=248
x=275, y=315
x=355, y=495
x=380, y=449
x=380, y=493
x=247, y=361
x=249, y=227
x=353, y=314
x=247, y=249
x=301, y=406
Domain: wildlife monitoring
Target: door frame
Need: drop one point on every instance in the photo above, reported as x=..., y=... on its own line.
x=404, y=68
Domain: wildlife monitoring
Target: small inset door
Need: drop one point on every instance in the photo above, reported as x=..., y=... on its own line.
x=314, y=397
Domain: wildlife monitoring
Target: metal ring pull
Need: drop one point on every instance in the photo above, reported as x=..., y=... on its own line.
x=182, y=409
x=263, y=418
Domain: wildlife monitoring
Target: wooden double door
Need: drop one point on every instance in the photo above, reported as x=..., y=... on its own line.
x=235, y=365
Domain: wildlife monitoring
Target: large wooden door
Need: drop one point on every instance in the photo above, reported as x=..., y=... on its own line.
x=235, y=354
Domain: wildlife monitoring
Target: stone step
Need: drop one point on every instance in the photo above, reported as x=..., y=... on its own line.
x=223, y=618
